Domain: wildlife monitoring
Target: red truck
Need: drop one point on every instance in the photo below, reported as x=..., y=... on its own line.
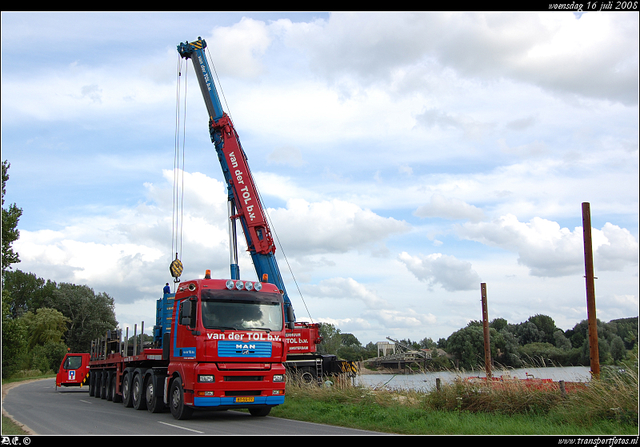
x=218, y=344
x=74, y=370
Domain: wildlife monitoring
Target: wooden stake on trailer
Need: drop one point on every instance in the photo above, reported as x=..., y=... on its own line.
x=485, y=329
x=594, y=356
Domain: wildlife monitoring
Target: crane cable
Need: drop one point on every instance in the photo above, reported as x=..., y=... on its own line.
x=178, y=179
x=258, y=191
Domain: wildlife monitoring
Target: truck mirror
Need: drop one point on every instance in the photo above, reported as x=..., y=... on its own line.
x=185, y=313
x=290, y=317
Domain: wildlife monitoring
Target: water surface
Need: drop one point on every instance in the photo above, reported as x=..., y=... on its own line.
x=427, y=381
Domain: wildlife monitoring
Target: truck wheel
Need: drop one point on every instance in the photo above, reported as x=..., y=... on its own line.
x=307, y=375
x=115, y=397
x=126, y=389
x=98, y=384
x=103, y=385
x=107, y=385
x=92, y=384
x=137, y=392
x=154, y=399
x=259, y=412
x=176, y=402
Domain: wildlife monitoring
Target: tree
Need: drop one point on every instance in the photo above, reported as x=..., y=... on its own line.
x=10, y=218
x=14, y=344
x=546, y=326
x=45, y=325
x=467, y=345
x=560, y=341
x=618, y=352
x=498, y=324
x=509, y=355
x=331, y=339
x=28, y=292
x=90, y=314
x=528, y=332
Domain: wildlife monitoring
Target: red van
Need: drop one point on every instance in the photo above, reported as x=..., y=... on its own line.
x=74, y=370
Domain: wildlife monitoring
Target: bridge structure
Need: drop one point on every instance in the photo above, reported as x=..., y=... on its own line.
x=401, y=359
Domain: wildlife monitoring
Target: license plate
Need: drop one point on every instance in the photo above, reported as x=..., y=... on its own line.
x=244, y=399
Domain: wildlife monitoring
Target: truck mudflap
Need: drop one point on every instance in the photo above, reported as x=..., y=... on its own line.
x=242, y=402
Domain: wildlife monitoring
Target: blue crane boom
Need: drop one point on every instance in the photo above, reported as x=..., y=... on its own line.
x=243, y=199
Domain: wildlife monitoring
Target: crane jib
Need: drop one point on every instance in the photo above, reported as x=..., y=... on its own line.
x=243, y=194
x=203, y=73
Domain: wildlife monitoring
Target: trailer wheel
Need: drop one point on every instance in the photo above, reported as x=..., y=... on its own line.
x=178, y=409
x=155, y=403
x=126, y=389
x=98, y=385
x=115, y=397
x=137, y=391
x=92, y=384
x=107, y=385
x=103, y=384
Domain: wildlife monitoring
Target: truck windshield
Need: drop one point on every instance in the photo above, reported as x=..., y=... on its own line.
x=241, y=311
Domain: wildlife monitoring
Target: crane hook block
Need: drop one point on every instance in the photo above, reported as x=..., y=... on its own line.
x=176, y=268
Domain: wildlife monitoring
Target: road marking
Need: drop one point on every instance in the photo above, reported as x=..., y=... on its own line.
x=184, y=428
x=85, y=401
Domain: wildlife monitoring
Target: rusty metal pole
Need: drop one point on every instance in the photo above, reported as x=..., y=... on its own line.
x=594, y=356
x=485, y=329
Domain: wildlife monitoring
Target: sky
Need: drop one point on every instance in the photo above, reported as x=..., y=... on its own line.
x=403, y=158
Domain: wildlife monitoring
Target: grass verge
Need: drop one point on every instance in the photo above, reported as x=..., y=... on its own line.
x=605, y=407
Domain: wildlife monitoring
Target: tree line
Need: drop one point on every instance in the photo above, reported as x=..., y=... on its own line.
x=536, y=341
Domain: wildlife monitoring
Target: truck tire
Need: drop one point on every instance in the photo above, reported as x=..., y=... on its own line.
x=115, y=397
x=107, y=385
x=126, y=388
x=259, y=412
x=307, y=375
x=92, y=384
x=152, y=395
x=137, y=391
x=176, y=401
x=103, y=384
x=98, y=384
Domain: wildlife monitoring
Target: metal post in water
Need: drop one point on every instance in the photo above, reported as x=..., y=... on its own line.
x=594, y=356
x=485, y=329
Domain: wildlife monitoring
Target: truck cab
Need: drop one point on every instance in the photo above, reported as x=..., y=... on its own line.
x=226, y=347
x=73, y=371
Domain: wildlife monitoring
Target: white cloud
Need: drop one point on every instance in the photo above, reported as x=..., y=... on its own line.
x=602, y=49
x=347, y=288
x=237, y=49
x=400, y=319
x=446, y=270
x=449, y=208
x=549, y=250
x=331, y=226
x=286, y=155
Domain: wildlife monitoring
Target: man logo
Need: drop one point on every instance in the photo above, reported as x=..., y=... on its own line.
x=245, y=349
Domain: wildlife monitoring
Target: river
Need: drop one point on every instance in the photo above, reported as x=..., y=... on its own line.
x=427, y=381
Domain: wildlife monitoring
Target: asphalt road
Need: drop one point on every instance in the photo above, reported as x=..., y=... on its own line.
x=71, y=411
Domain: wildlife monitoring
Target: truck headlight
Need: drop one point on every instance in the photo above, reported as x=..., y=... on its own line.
x=278, y=377
x=206, y=378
